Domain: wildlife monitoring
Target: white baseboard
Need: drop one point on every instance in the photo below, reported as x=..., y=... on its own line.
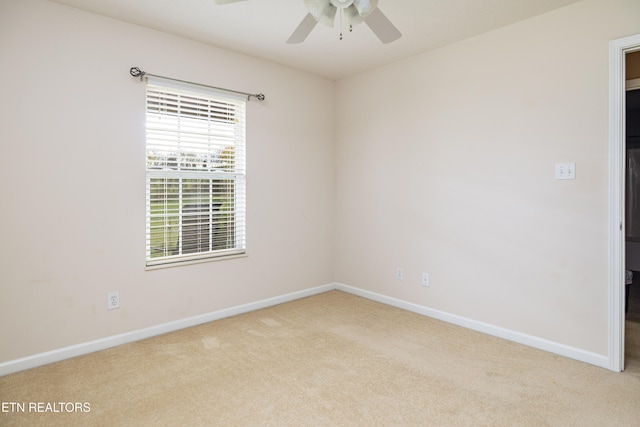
x=115, y=340
x=529, y=340
x=104, y=343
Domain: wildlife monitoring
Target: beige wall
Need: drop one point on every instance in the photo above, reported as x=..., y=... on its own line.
x=438, y=167
x=72, y=180
x=445, y=165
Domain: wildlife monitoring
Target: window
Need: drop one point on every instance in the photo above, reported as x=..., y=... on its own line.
x=195, y=150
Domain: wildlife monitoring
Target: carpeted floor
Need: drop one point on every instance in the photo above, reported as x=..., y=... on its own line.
x=329, y=360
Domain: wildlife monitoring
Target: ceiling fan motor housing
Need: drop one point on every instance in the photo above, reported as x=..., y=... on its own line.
x=355, y=11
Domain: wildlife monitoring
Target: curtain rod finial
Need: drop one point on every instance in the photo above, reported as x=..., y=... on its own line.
x=137, y=72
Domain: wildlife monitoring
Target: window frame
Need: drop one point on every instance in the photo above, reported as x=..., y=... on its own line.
x=226, y=180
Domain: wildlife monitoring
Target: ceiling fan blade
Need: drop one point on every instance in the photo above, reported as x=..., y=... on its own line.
x=225, y=1
x=300, y=34
x=317, y=7
x=382, y=27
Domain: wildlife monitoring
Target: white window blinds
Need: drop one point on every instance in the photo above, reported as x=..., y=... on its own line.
x=195, y=150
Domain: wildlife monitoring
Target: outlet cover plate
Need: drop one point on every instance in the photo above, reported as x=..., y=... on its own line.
x=426, y=280
x=566, y=170
x=113, y=300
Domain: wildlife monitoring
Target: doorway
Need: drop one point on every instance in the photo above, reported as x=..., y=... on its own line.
x=618, y=50
x=632, y=206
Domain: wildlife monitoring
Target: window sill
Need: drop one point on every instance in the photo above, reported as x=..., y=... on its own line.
x=194, y=261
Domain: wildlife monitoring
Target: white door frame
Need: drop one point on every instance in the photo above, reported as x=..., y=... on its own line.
x=617, y=157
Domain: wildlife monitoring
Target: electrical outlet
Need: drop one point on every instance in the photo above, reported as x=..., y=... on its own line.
x=399, y=274
x=113, y=300
x=425, y=279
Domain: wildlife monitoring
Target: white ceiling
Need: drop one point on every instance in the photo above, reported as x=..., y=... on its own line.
x=260, y=28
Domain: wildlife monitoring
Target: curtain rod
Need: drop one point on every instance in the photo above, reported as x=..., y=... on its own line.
x=137, y=72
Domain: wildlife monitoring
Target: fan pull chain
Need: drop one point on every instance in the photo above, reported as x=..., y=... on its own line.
x=350, y=25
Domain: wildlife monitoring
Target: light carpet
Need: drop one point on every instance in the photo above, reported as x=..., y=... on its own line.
x=329, y=360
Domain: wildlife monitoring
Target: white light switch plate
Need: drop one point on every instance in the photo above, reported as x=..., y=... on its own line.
x=565, y=171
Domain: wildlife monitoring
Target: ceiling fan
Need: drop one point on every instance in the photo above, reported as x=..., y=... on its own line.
x=352, y=11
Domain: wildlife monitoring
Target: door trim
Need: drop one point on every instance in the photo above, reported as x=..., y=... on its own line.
x=617, y=51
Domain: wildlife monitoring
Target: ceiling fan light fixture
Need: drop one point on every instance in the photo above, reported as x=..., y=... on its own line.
x=322, y=10
x=225, y=1
x=342, y=3
x=328, y=16
x=365, y=7
x=353, y=11
x=352, y=15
